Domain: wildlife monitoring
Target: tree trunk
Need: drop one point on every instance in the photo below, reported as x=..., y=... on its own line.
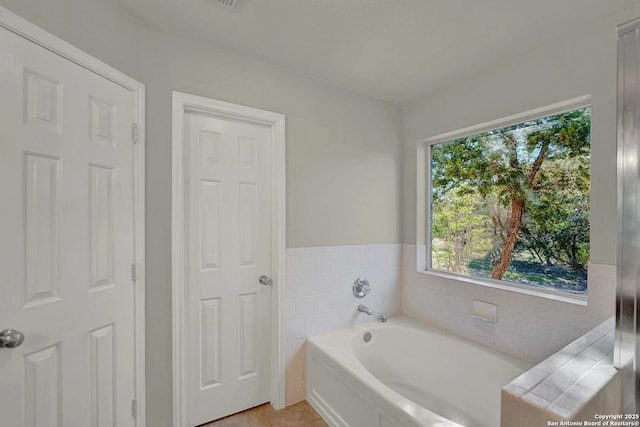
x=536, y=254
x=515, y=219
x=573, y=255
x=515, y=222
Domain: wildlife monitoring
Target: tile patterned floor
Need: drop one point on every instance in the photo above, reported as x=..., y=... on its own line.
x=298, y=415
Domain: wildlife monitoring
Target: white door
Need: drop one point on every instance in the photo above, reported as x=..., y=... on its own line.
x=228, y=234
x=66, y=242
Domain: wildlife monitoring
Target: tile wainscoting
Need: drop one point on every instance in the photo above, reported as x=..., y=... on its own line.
x=528, y=327
x=319, y=297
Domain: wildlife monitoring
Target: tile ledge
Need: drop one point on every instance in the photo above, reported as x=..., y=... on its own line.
x=577, y=349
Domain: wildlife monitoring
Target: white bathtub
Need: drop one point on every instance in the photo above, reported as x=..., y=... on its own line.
x=408, y=374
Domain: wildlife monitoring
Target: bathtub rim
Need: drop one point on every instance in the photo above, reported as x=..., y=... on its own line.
x=358, y=379
x=346, y=365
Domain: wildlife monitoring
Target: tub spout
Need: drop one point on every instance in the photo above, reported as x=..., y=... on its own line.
x=365, y=309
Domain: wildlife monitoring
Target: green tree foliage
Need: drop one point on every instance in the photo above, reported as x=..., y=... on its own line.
x=459, y=231
x=524, y=188
x=557, y=227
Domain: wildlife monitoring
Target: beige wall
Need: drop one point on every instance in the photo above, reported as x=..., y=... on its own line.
x=339, y=147
x=349, y=176
x=581, y=63
x=528, y=326
x=343, y=148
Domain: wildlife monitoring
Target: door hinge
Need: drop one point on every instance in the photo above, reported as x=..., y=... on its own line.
x=134, y=408
x=134, y=271
x=134, y=133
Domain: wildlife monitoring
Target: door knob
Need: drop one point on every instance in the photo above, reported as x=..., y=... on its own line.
x=265, y=280
x=11, y=338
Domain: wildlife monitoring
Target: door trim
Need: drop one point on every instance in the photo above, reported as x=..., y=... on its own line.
x=183, y=103
x=48, y=41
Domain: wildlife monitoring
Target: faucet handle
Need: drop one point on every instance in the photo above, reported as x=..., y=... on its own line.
x=383, y=318
x=361, y=287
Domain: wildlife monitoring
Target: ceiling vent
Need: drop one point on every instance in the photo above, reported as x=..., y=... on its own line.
x=232, y=5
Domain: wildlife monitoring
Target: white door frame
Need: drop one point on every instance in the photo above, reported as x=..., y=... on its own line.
x=42, y=38
x=183, y=103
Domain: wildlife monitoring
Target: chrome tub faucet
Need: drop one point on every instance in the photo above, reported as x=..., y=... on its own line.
x=364, y=309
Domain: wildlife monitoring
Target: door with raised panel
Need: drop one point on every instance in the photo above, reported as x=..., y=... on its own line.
x=66, y=245
x=228, y=235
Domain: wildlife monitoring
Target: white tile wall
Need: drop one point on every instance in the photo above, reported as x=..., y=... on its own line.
x=319, y=299
x=528, y=327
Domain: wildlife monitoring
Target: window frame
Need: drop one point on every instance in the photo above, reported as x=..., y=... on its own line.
x=423, y=201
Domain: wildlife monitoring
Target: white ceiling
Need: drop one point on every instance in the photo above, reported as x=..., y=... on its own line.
x=389, y=49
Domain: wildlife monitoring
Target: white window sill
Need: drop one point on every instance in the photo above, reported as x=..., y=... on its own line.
x=511, y=287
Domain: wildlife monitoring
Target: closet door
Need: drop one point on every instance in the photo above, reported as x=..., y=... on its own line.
x=66, y=245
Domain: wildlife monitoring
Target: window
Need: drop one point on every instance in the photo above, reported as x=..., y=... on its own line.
x=510, y=205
